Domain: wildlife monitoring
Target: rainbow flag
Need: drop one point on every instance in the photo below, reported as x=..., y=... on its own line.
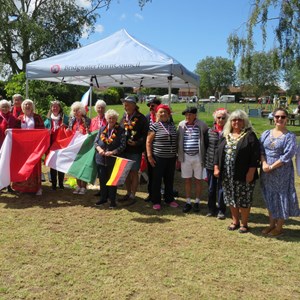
x=120, y=171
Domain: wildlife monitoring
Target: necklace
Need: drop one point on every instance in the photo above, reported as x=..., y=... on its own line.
x=107, y=136
x=232, y=141
x=274, y=139
x=129, y=125
x=189, y=128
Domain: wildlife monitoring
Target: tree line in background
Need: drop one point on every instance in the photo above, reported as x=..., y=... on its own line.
x=31, y=30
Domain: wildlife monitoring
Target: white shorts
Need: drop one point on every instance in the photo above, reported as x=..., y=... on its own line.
x=192, y=167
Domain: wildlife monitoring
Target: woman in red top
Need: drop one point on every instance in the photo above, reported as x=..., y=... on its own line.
x=79, y=122
x=17, y=109
x=7, y=120
x=99, y=121
x=30, y=120
x=55, y=121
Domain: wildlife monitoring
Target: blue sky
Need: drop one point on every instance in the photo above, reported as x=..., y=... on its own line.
x=187, y=30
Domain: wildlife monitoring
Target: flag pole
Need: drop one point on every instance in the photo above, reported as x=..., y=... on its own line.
x=90, y=96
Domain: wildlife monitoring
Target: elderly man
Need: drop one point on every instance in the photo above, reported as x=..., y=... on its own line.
x=192, y=144
x=17, y=100
x=136, y=128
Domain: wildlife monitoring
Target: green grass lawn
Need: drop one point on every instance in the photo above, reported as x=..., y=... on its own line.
x=60, y=246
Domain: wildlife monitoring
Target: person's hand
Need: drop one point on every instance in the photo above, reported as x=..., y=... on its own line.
x=249, y=177
x=152, y=161
x=109, y=153
x=216, y=172
x=266, y=167
x=131, y=143
x=101, y=152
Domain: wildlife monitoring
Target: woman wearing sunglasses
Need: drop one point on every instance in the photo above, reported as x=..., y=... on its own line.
x=278, y=147
x=237, y=159
x=214, y=184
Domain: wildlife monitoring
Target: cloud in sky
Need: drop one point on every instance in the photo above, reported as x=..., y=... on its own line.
x=123, y=17
x=99, y=28
x=83, y=3
x=138, y=16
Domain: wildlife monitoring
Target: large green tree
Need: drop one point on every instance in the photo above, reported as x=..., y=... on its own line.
x=264, y=78
x=216, y=75
x=292, y=80
x=286, y=22
x=35, y=29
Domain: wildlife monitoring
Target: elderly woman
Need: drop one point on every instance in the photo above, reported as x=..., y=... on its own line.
x=54, y=121
x=237, y=159
x=110, y=141
x=161, y=152
x=136, y=127
x=192, y=142
x=98, y=121
x=7, y=119
x=17, y=109
x=215, y=133
x=278, y=147
x=79, y=122
x=30, y=120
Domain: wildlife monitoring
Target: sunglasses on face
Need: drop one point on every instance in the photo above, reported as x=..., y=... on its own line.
x=281, y=117
x=237, y=120
x=221, y=118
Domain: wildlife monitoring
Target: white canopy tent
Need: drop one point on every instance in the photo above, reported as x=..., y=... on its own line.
x=118, y=60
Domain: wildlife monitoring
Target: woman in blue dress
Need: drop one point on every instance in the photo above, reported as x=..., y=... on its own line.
x=278, y=147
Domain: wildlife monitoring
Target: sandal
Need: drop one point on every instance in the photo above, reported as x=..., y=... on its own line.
x=267, y=230
x=233, y=226
x=275, y=233
x=244, y=229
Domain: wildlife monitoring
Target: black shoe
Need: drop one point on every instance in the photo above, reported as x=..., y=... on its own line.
x=113, y=204
x=61, y=187
x=211, y=214
x=196, y=207
x=54, y=187
x=9, y=189
x=187, y=207
x=97, y=194
x=221, y=216
x=148, y=199
x=100, y=202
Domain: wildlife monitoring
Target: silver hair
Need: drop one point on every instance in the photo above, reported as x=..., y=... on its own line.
x=25, y=102
x=5, y=102
x=77, y=105
x=111, y=113
x=221, y=111
x=17, y=96
x=237, y=114
x=99, y=102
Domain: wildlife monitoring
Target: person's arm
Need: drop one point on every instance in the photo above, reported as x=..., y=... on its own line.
x=149, y=142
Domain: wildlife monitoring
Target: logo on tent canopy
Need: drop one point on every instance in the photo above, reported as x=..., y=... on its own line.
x=55, y=69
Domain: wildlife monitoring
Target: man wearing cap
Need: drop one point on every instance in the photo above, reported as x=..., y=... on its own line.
x=192, y=144
x=136, y=128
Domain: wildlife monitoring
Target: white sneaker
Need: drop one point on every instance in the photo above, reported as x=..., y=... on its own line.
x=39, y=192
x=82, y=191
x=76, y=190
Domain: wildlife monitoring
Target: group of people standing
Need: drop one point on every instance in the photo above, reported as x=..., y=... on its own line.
x=227, y=155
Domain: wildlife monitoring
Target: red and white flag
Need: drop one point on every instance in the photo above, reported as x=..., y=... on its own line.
x=20, y=152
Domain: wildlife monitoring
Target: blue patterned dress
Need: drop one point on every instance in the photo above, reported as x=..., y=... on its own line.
x=278, y=186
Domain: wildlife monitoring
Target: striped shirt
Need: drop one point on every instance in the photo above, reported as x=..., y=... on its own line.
x=165, y=140
x=191, y=140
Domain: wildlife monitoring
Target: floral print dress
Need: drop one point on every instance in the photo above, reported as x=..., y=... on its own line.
x=236, y=193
